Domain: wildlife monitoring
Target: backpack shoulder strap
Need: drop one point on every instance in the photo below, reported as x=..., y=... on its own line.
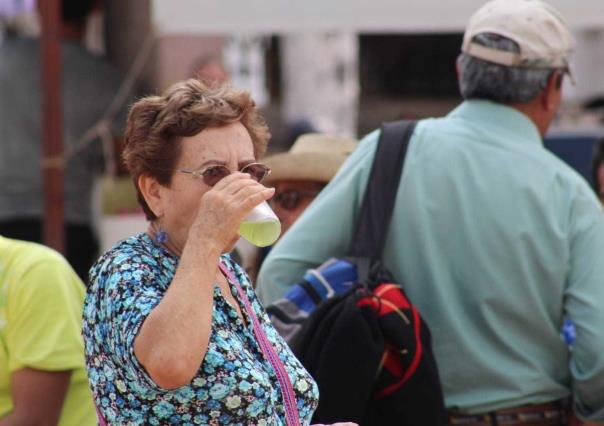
x=380, y=194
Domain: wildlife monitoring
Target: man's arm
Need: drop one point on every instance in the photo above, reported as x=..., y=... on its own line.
x=584, y=304
x=37, y=397
x=323, y=231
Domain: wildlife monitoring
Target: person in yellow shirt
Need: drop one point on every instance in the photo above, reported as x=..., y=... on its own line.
x=42, y=375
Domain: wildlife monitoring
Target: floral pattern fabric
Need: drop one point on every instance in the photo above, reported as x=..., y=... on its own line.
x=234, y=385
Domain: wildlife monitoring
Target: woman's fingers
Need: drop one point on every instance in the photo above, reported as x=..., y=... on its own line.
x=251, y=195
x=232, y=182
x=245, y=191
x=233, y=200
x=224, y=207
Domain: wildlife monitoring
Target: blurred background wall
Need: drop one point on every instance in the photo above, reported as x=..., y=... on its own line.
x=338, y=66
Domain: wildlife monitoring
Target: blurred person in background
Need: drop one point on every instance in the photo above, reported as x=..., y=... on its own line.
x=88, y=86
x=299, y=174
x=173, y=329
x=210, y=69
x=42, y=375
x=494, y=238
x=597, y=169
x=18, y=17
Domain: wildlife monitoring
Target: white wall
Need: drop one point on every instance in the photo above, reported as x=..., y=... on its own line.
x=211, y=16
x=320, y=81
x=587, y=65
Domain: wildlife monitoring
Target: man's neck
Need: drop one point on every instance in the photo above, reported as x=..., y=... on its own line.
x=531, y=110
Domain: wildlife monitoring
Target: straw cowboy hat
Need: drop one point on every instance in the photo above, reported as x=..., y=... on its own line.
x=314, y=156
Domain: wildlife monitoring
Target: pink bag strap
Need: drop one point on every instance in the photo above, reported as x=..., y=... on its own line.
x=99, y=416
x=291, y=406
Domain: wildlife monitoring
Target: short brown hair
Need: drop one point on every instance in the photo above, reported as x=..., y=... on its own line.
x=156, y=125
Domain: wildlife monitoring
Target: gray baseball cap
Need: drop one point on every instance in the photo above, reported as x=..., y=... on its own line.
x=540, y=30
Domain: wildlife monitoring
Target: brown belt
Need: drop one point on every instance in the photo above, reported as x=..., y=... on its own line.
x=548, y=414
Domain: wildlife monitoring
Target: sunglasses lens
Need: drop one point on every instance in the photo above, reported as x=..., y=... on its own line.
x=213, y=174
x=257, y=171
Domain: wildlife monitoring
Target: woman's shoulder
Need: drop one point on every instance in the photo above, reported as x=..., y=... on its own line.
x=135, y=254
x=125, y=250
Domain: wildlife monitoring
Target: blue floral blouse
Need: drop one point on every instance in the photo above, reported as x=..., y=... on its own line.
x=235, y=384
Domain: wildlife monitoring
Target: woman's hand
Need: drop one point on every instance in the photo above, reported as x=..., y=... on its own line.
x=182, y=320
x=223, y=208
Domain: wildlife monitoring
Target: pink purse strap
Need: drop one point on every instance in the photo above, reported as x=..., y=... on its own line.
x=291, y=407
x=99, y=416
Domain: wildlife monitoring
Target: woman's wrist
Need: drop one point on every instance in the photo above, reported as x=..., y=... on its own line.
x=200, y=252
x=202, y=238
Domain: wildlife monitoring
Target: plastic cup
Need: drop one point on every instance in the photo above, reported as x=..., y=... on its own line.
x=261, y=227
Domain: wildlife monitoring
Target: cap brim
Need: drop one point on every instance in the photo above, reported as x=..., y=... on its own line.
x=309, y=166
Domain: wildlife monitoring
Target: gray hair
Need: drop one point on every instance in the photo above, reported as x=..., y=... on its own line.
x=480, y=79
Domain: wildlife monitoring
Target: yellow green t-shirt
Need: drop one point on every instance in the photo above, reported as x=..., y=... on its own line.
x=41, y=301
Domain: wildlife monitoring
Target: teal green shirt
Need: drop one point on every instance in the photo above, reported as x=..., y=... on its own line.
x=496, y=240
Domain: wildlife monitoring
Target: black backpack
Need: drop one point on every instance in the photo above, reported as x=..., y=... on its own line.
x=368, y=347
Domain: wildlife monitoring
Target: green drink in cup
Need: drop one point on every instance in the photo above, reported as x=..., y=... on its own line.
x=261, y=227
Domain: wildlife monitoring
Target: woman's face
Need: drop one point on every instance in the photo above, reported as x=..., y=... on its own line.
x=230, y=146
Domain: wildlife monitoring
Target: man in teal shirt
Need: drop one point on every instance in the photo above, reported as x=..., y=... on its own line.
x=495, y=239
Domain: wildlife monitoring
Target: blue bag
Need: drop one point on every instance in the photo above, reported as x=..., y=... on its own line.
x=333, y=277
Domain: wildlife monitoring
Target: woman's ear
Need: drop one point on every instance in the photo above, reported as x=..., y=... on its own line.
x=151, y=190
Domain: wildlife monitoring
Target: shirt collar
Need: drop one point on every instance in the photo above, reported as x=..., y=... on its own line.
x=500, y=119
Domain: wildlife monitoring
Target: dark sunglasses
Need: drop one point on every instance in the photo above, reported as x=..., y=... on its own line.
x=211, y=175
x=290, y=199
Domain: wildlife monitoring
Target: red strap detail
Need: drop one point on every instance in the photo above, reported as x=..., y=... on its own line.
x=393, y=293
x=392, y=362
x=414, y=363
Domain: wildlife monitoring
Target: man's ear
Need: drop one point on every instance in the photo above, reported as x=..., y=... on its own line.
x=153, y=194
x=550, y=96
x=600, y=177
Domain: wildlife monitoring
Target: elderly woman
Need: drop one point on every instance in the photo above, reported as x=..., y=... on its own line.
x=174, y=333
